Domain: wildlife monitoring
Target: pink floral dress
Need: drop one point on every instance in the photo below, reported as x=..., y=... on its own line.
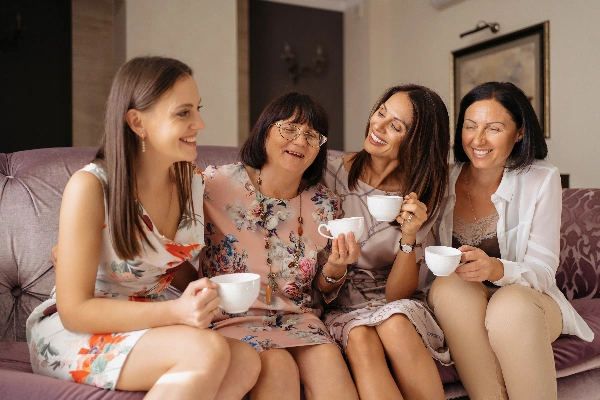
x=235, y=242
x=97, y=359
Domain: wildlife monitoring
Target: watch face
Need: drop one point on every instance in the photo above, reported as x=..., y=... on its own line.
x=407, y=248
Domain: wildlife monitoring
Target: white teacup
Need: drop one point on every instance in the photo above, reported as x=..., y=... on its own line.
x=345, y=226
x=237, y=291
x=442, y=260
x=384, y=208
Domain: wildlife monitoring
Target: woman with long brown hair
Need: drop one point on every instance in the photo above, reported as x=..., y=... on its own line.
x=375, y=309
x=129, y=222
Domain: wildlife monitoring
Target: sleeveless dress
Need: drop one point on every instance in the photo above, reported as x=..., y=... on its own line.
x=235, y=242
x=361, y=299
x=97, y=359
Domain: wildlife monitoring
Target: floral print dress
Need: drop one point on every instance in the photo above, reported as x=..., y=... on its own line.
x=361, y=299
x=97, y=359
x=235, y=242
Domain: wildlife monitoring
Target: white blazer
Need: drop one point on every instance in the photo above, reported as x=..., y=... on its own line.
x=529, y=206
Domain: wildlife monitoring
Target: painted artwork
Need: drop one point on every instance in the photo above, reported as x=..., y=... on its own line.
x=520, y=57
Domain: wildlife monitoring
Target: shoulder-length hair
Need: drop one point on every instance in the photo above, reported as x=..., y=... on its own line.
x=305, y=110
x=138, y=85
x=423, y=153
x=532, y=146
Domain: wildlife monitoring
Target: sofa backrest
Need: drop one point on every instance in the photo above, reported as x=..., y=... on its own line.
x=31, y=187
x=579, y=270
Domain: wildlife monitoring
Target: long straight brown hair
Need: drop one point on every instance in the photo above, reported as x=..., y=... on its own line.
x=137, y=85
x=423, y=153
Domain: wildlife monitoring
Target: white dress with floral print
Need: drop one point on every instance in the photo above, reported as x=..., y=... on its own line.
x=97, y=359
x=235, y=242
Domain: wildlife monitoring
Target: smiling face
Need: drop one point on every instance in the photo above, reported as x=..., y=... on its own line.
x=293, y=156
x=172, y=124
x=489, y=134
x=388, y=126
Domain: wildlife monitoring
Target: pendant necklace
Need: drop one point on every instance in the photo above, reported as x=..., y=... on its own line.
x=272, y=285
x=477, y=223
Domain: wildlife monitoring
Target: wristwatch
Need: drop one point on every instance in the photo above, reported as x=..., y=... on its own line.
x=333, y=281
x=407, y=248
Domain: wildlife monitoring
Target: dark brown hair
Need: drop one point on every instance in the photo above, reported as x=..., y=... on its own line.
x=423, y=153
x=305, y=110
x=532, y=146
x=137, y=85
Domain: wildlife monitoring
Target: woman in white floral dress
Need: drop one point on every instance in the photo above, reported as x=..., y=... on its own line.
x=262, y=216
x=128, y=224
x=379, y=316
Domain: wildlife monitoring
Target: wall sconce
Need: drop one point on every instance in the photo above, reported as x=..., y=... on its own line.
x=295, y=71
x=481, y=25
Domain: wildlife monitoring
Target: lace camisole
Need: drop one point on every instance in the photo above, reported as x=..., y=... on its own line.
x=480, y=234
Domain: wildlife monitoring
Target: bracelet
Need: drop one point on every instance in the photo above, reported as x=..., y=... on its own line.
x=332, y=281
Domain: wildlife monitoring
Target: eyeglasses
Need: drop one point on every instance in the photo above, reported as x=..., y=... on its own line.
x=290, y=132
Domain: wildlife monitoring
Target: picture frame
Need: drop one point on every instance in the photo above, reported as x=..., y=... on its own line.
x=520, y=57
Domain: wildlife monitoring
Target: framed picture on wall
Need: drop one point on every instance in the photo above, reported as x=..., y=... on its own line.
x=520, y=57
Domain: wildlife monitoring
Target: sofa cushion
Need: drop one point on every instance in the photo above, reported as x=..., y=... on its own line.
x=570, y=350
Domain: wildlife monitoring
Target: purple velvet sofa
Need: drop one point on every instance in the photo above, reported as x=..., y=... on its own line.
x=31, y=186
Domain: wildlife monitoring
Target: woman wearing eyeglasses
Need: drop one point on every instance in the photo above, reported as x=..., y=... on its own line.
x=262, y=216
x=375, y=310
x=502, y=310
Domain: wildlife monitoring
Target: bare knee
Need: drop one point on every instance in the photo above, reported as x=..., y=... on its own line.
x=246, y=359
x=361, y=341
x=279, y=364
x=203, y=348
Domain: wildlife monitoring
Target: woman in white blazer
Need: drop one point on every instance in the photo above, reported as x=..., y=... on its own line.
x=501, y=310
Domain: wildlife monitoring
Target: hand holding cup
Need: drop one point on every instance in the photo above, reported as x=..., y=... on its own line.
x=237, y=292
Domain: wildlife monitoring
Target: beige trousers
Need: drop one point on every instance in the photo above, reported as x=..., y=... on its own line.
x=500, y=341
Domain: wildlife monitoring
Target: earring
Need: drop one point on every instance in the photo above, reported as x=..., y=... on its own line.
x=143, y=144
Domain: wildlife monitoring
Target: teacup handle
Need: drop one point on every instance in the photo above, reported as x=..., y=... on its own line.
x=322, y=234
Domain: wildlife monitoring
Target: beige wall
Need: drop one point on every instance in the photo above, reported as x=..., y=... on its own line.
x=410, y=41
x=203, y=34
x=93, y=63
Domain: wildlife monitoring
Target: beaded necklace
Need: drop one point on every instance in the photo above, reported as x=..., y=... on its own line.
x=272, y=285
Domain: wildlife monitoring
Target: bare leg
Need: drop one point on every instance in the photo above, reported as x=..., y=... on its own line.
x=279, y=377
x=243, y=371
x=414, y=370
x=320, y=366
x=369, y=367
x=190, y=361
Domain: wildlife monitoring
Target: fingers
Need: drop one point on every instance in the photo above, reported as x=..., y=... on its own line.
x=198, y=285
x=344, y=251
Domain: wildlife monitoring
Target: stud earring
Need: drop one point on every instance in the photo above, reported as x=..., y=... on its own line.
x=143, y=144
